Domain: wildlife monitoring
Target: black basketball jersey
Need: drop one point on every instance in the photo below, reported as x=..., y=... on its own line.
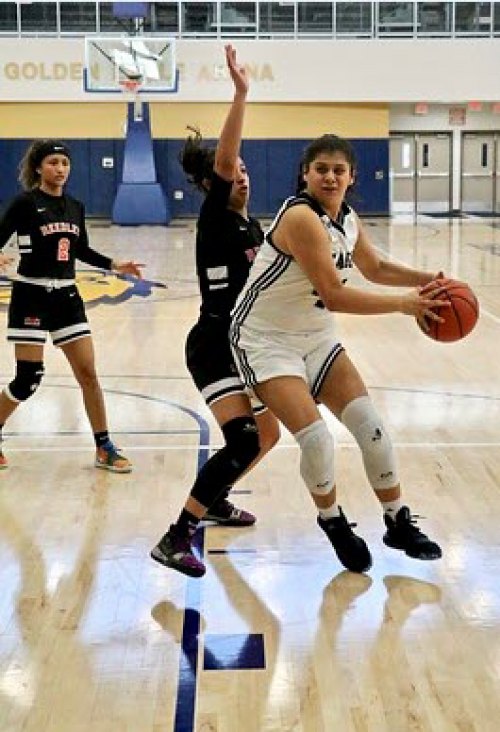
x=51, y=235
x=226, y=245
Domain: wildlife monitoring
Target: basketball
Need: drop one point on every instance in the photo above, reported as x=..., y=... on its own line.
x=459, y=318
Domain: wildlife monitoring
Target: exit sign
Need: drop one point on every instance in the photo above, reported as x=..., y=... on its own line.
x=421, y=108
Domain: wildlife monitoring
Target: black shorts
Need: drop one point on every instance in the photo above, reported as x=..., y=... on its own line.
x=35, y=310
x=210, y=360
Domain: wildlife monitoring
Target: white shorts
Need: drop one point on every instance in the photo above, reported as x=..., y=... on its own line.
x=261, y=357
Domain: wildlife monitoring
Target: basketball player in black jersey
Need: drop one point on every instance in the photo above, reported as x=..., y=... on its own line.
x=51, y=236
x=227, y=241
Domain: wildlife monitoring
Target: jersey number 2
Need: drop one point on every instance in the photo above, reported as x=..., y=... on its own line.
x=63, y=250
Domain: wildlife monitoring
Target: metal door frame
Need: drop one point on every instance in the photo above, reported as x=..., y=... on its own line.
x=495, y=135
x=419, y=176
x=496, y=172
x=397, y=133
x=425, y=133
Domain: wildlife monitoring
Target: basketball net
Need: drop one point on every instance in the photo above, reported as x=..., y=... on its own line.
x=131, y=87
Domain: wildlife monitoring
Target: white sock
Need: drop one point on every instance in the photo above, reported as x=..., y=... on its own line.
x=330, y=512
x=392, y=507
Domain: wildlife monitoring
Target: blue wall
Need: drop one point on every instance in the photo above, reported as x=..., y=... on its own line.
x=273, y=166
x=89, y=181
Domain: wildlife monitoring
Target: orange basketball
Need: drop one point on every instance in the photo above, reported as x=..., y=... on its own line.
x=459, y=318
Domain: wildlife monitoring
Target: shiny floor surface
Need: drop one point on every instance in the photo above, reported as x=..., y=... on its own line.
x=276, y=637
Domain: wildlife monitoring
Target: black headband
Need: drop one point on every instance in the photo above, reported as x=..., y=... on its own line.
x=51, y=147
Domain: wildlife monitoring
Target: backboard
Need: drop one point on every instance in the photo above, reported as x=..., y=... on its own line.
x=111, y=61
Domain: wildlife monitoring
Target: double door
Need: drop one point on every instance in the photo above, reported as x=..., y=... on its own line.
x=480, y=179
x=420, y=172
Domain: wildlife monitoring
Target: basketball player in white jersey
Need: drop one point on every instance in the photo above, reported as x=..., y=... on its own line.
x=283, y=336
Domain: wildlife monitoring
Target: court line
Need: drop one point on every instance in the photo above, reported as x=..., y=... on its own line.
x=188, y=658
x=185, y=702
x=153, y=448
x=490, y=315
x=151, y=377
x=199, y=419
x=431, y=392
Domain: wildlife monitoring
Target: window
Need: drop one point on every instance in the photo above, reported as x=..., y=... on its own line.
x=354, y=19
x=434, y=18
x=165, y=18
x=108, y=23
x=8, y=17
x=78, y=17
x=199, y=18
x=315, y=18
x=39, y=17
x=237, y=17
x=395, y=18
x=255, y=18
x=473, y=18
x=496, y=19
x=277, y=18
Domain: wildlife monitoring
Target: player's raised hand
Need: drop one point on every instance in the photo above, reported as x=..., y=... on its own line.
x=237, y=72
x=131, y=268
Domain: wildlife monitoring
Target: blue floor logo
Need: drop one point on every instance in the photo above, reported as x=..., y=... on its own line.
x=98, y=288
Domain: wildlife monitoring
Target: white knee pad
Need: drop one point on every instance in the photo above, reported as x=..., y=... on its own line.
x=316, y=463
x=363, y=422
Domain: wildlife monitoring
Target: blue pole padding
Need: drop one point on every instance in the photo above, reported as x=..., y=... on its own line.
x=140, y=199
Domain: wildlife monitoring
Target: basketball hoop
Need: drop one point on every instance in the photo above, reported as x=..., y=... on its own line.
x=130, y=85
x=130, y=65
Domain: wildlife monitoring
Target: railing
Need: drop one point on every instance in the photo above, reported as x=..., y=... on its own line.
x=299, y=19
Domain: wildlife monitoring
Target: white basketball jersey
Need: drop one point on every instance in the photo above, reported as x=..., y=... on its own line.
x=278, y=295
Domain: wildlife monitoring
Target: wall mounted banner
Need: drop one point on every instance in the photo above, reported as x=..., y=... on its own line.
x=51, y=69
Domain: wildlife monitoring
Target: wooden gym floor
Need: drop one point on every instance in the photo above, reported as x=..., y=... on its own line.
x=276, y=637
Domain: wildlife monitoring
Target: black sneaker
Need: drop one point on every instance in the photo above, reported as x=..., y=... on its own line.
x=175, y=551
x=225, y=513
x=402, y=533
x=351, y=550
